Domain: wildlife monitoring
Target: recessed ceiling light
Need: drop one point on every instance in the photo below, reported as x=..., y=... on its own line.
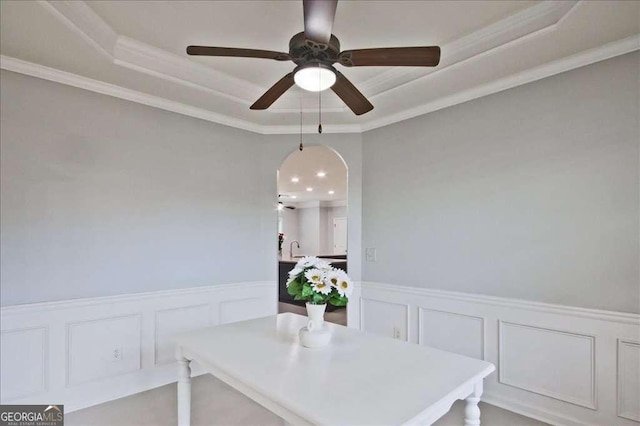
x=294, y=196
x=309, y=189
x=332, y=192
x=295, y=179
x=321, y=174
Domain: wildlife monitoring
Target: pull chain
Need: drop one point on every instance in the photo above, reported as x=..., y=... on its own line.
x=301, y=146
x=319, y=105
x=319, y=112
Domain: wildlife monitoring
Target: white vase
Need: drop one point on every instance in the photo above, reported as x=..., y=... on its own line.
x=315, y=334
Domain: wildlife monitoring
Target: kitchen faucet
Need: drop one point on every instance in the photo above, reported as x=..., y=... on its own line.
x=291, y=248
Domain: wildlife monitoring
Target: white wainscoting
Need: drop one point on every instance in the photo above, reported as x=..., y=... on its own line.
x=87, y=351
x=566, y=361
x=437, y=327
x=391, y=319
x=173, y=321
x=18, y=382
x=560, y=364
x=102, y=348
x=629, y=380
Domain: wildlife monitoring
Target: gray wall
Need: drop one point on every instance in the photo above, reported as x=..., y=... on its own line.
x=308, y=230
x=530, y=193
x=101, y=196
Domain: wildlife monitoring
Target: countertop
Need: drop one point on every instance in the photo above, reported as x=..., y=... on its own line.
x=287, y=259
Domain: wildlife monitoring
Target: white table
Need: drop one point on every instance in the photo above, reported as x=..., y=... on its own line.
x=358, y=379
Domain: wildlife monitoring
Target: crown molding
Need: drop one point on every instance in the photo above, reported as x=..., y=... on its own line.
x=533, y=21
x=40, y=71
x=311, y=129
x=142, y=57
x=46, y=73
x=123, y=51
x=82, y=20
x=306, y=110
x=134, y=54
x=333, y=203
x=578, y=60
x=314, y=204
x=607, y=51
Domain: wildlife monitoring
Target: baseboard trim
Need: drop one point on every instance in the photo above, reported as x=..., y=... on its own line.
x=530, y=411
x=154, y=380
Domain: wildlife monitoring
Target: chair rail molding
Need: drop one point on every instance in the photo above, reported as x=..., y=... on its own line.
x=563, y=365
x=88, y=351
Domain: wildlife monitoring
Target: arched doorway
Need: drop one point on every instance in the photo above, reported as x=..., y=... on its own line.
x=312, y=217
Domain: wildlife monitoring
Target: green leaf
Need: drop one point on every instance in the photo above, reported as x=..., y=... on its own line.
x=295, y=287
x=318, y=299
x=338, y=300
x=307, y=291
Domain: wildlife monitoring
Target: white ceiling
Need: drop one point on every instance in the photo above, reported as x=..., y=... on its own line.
x=135, y=50
x=304, y=165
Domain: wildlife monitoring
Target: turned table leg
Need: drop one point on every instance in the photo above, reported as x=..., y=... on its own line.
x=184, y=389
x=471, y=409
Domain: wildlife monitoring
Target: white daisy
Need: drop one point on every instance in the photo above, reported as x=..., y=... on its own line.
x=323, y=264
x=314, y=276
x=332, y=278
x=295, y=271
x=345, y=286
x=307, y=262
x=321, y=287
x=290, y=280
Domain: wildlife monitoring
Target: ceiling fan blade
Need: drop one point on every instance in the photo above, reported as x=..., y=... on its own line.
x=274, y=92
x=318, y=19
x=391, y=56
x=350, y=95
x=239, y=53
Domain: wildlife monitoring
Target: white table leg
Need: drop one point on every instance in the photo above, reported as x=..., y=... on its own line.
x=471, y=409
x=184, y=389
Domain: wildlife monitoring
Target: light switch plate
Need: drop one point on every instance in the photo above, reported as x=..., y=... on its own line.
x=370, y=254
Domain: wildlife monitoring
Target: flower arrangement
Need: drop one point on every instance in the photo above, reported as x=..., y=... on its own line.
x=280, y=241
x=315, y=281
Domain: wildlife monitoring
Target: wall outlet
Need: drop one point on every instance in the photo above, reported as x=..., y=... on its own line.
x=370, y=254
x=116, y=354
x=397, y=334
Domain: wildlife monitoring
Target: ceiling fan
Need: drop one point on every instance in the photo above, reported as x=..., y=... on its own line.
x=316, y=50
x=281, y=205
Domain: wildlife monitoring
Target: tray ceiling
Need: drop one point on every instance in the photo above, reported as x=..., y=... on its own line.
x=135, y=50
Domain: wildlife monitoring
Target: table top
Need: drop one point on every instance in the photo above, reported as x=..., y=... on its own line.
x=358, y=378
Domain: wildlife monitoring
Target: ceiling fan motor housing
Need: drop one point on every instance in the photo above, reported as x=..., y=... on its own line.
x=303, y=50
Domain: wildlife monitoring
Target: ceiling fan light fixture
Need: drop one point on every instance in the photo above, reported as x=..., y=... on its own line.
x=314, y=77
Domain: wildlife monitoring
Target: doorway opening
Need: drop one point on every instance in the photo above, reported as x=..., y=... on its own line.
x=312, y=218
